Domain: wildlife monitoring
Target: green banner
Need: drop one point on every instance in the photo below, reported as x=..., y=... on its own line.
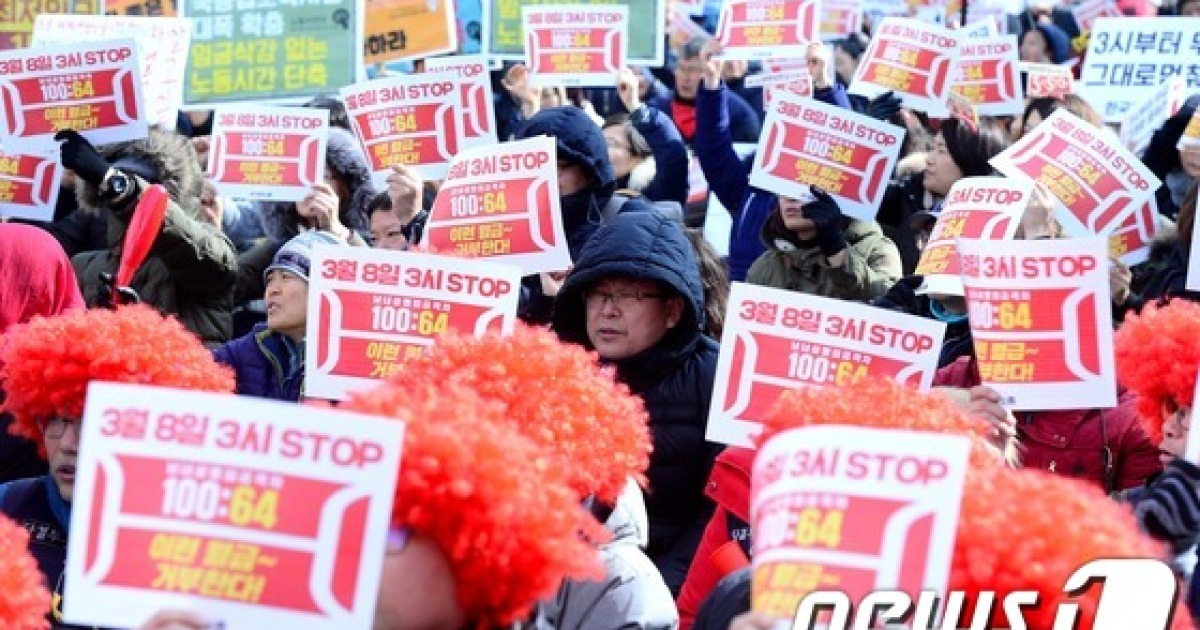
x=506, y=39
x=16, y=17
x=272, y=51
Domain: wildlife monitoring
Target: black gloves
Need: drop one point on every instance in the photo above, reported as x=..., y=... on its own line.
x=827, y=219
x=903, y=296
x=81, y=157
x=111, y=296
x=884, y=106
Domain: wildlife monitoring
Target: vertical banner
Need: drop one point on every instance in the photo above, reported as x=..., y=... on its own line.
x=853, y=510
x=262, y=514
x=148, y=8
x=575, y=46
x=273, y=154
x=91, y=87
x=989, y=75
x=1097, y=182
x=778, y=340
x=840, y=18
x=371, y=310
x=412, y=120
x=988, y=208
x=1144, y=118
x=501, y=202
x=408, y=29
x=162, y=51
x=915, y=59
x=1046, y=80
x=1041, y=319
x=808, y=143
x=29, y=186
x=764, y=29
x=476, y=112
x=17, y=16
x=1127, y=57
x=271, y=51
x=504, y=34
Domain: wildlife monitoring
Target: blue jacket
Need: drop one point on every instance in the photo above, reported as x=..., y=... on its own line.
x=267, y=364
x=671, y=160
x=674, y=377
x=744, y=124
x=729, y=179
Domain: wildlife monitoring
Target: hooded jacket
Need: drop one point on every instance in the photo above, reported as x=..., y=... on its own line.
x=267, y=364
x=871, y=267
x=674, y=377
x=192, y=266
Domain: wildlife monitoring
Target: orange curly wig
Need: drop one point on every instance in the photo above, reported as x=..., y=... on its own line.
x=1158, y=353
x=554, y=393
x=496, y=504
x=24, y=601
x=46, y=364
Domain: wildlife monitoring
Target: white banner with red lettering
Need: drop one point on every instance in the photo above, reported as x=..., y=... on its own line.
x=29, y=186
x=778, y=340
x=917, y=60
x=1144, y=118
x=1041, y=320
x=989, y=75
x=763, y=29
x=268, y=153
x=478, y=113
x=575, y=46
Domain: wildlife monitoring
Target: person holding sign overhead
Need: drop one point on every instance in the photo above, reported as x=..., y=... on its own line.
x=46, y=381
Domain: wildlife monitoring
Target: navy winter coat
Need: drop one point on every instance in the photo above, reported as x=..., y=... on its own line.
x=261, y=361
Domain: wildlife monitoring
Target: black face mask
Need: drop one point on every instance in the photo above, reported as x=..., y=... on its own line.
x=579, y=212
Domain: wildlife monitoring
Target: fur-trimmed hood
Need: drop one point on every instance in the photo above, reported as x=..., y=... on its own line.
x=345, y=160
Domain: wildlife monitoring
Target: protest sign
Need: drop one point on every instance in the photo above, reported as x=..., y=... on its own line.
x=981, y=29
x=976, y=207
x=373, y=309
x=162, y=51
x=797, y=82
x=275, y=154
x=840, y=18
x=989, y=76
x=29, y=186
x=763, y=29
x=690, y=7
x=809, y=143
x=854, y=510
x=784, y=66
x=92, y=87
x=1144, y=118
x=915, y=59
x=1047, y=80
x=17, y=17
x=1041, y=319
x=408, y=119
x=1127, y=57
x=478, y=117
x=469, y=16
x=575, y=46
x=1088, y=11
x=964, y=110
x=1096, y=181
x=778, y=340
x=261, y=514
x=502, y=202
x=272, y=50
x=504, y=34
x=148, y=8
x=681, y=28
x=1130, y=243
x=408, y=29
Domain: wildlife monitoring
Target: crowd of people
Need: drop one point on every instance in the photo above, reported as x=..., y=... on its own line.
x=595, y=501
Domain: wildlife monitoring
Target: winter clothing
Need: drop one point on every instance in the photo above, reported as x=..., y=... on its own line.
x=1162, y=158
x=725, y=547
x=904, y=199
x=267, y=364
x=1058, y=42
x=1163, y=276
x=871, y=267
x=669, y=164
x=192, y=266
x=902, y=297
x=1076, y=442
x=730, y=598
x=295, y=256
x=1061, y=17
x=632, y=595
x=743, y=124
x=674, y=377
x=728, y=177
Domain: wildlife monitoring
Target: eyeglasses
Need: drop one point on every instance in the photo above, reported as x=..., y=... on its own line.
x=56, y=427
x=620, y=299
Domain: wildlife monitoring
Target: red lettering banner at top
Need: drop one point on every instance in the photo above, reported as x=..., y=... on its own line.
x=778, y=340
x=915, y=59
x=762, y=29
x=93, y=88
x=808, y=143
x=1098, y=183
x=475, y=89
x=989, y=75
x=275, y=153
x=1041, y=320
x=576, y=46
x=412, y=120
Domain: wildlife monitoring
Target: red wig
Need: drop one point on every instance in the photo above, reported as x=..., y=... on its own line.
x=24, y=601
x=1158, y=353
x=498, y=506
x=554, y=393
x=46, y=365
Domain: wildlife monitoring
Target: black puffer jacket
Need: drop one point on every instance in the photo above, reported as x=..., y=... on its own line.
x=673, y=377
x=904, y=199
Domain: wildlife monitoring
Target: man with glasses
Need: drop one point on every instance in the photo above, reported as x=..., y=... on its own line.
x=636, y=299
